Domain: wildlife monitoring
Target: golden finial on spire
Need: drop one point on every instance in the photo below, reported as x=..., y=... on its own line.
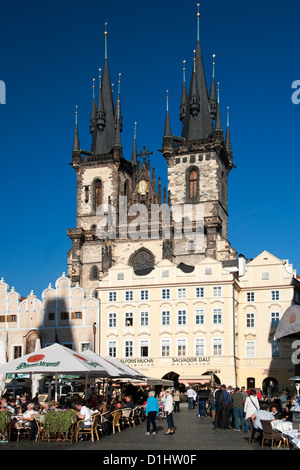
x=198, y=10
x=105, y=29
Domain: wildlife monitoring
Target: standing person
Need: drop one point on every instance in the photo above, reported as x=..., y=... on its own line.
x=211, y=403
x=152, y=410
x=169, y=407
x=250, y=407
x=190, y=396
x=176, y=399
x=220, y=409
x=238, y=409
x=202, y=397
x=227, y=398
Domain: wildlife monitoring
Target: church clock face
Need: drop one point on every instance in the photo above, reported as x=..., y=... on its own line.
x=143, y=188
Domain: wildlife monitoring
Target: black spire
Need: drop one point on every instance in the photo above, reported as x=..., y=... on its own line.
x=228, y=139
x=134, y=152
x=167, y=132
x=184, y=97
x=76, y=145
x=105, y=135
x=213, y=95
x=218, y=125
x=94, y=111
x=198, y=126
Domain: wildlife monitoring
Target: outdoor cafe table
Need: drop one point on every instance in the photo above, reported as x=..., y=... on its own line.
x=281, y=425
x=293, y=435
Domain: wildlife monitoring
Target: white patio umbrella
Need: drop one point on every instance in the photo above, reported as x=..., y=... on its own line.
x=3, y=359
x=127, y=371
x=35, y=378
x=113, y=370
x=55, y=359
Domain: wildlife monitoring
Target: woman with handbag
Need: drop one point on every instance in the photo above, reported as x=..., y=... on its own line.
x=169, y=408
x=250, y=407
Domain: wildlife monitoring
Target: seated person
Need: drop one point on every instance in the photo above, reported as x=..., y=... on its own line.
x=263, y=414
x=28, y=420
x=85, y=414
x=287, y=414
x=129, y=403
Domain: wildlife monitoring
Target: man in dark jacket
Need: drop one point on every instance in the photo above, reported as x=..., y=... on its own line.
x=202, y=397
x=220, y=409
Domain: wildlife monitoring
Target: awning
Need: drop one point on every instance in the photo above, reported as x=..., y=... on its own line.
x=289, y=324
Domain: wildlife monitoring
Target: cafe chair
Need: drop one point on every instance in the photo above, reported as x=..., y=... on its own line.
x=269, y=434
x=126, y=416
x=253, y=432
x=92, y=431
x=103, y=423
x=115, y=422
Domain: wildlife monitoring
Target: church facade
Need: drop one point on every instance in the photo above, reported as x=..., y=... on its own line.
x=199, y=163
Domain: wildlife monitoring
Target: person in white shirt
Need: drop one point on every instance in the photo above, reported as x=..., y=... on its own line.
x=191, y=396
x=169, y=407
x=85, y=414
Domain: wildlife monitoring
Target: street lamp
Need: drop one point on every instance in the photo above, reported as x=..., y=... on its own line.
x=94, y=333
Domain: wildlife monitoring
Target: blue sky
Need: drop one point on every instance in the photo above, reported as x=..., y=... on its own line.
x=50, y=53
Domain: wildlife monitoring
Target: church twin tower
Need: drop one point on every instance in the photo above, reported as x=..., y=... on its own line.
x=116, y=189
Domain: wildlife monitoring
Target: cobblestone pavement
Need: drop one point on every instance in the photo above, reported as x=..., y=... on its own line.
x=191, y=434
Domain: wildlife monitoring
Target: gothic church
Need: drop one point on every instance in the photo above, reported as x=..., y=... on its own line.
x=199, y=162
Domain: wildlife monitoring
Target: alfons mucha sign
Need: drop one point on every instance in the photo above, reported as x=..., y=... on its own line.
x=144, y=363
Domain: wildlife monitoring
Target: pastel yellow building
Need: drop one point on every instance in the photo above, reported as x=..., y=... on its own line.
x=188, y=322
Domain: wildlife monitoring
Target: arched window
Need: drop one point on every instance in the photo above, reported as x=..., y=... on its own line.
x=94, y=273
x=98, y=193
x=193, y=184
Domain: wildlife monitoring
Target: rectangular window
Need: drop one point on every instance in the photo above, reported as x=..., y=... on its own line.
x=128, y=348
x=85, y=347
x=144, y=318
x=128, y=319
x=250, y=320
x=199, y=317
x=250, y=296
x=144, y=349
x=76, y=315
x=181, y=347
x=217, y=347
x=181, y=293
x=275, y=319
x=64, y=315
x=17, y=352
x=181, y=317
x=275, y=295
x=275, y=350
x=250, y=349
x=217, y=291
x=217, y=316
x=12, y=318
x=112, y=348
x=199, y=292
x=166, y=318
x=51, y=316
x=112, y=320
x=128, y=295
x=165, y=294
x=165, y=348
x=200, y=347
x=112, y=296
x=144, y=295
